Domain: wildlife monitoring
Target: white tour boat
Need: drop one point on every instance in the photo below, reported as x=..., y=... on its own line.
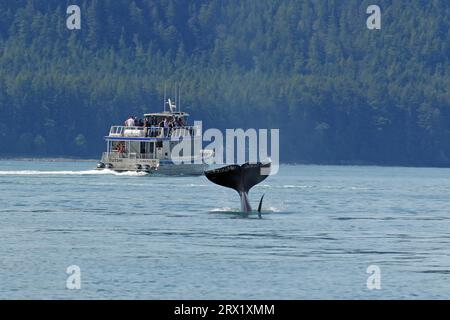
x=147, y=146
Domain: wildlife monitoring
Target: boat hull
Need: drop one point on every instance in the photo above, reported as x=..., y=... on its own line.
x=155, y=166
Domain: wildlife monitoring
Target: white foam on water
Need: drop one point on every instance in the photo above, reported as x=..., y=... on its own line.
x=358, y=188
x=237, y=210
x=67, y=172
x=291, y=186
x=225, y=209
x=271, y=209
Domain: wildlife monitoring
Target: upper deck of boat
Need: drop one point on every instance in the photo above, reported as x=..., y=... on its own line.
x=157, y=126
x=165, y=114
x=152, y=133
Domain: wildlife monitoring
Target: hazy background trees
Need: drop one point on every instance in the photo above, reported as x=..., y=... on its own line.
x=340, y=93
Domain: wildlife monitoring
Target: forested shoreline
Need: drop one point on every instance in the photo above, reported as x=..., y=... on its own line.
x=339, y=92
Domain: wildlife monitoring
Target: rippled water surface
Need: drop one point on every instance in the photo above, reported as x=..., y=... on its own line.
x=154, y=237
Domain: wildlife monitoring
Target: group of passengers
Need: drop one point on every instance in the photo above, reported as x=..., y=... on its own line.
x=134, y=122
x=168, y=124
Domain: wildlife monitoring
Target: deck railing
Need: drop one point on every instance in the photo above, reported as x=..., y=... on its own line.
x=126, y=155
x=154, y=132
x=191, y=131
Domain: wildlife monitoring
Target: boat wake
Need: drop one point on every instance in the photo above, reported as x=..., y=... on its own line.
x=67, y=172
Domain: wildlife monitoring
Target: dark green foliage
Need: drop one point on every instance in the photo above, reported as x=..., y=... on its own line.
x=339, y=92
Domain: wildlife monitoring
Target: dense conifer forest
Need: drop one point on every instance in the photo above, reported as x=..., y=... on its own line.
x=339, y=92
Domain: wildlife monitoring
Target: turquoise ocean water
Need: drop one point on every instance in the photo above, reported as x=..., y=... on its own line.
x=155, y=237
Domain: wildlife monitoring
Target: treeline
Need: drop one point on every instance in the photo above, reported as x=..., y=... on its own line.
x=339, y=92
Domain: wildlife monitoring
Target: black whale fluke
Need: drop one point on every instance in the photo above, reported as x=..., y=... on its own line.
x=240, y=178
x=260, y=206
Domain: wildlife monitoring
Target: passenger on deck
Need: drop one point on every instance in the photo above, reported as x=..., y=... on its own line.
x=120, y=148
x=171, y=126
x=160, y=125
x=166, y=127
x=145, y=124
x=129, y=122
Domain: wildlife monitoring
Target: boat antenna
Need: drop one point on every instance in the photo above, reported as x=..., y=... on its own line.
x=176, y=100
x=179, y=97
x=164, y=97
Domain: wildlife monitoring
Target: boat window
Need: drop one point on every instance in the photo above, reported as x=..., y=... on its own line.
x=135, y=147
x=149, y=147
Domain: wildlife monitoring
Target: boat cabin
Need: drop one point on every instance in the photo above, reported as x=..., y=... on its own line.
x=147, y=144
x=152, y=138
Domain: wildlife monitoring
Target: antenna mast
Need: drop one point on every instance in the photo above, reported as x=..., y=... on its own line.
x=176, y=100
x=179, y=97
x=164, y=97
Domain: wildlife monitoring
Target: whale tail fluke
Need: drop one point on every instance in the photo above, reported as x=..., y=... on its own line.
x=240, y=178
